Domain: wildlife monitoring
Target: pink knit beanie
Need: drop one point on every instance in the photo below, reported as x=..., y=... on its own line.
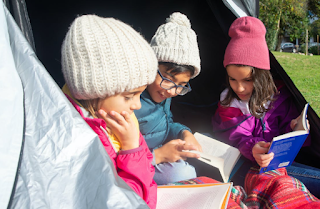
x=248, y=45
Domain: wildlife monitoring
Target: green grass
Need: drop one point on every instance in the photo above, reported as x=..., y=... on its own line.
x=304, y=71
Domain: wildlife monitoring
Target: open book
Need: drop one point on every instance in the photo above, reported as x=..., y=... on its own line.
x=286, y=146
x=194, y=196
x=221, y=157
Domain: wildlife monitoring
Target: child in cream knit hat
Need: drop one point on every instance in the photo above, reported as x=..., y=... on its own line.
x=176, y=47
x=107, y=65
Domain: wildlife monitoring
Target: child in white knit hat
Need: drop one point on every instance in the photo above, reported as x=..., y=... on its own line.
x=176, y=48
x=107, y=65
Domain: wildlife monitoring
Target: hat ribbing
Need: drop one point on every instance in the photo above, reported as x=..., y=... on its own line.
x=248, y=44
x=176, y=42
x=104, y=56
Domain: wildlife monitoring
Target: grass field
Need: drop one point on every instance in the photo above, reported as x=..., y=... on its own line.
x=304, y=71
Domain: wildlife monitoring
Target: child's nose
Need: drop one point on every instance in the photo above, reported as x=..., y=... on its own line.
x=136, y=105
x=240, y=87
x=172, y=92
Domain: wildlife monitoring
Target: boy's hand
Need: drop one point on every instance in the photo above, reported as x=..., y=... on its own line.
x=123, y=127
x=189, y=138
x=259, y=151
x=173, y=151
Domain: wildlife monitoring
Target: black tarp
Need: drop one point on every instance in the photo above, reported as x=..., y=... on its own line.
x=210, y=19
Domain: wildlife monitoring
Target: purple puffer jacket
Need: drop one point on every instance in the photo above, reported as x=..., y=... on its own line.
x=244, y=131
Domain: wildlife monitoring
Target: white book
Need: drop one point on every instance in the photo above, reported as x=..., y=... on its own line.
x=194, y=196
x=217, y=154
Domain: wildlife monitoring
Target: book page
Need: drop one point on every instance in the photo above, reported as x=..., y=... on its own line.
x=188, y=197
x=304, y=117
x=289, y=135
x=303, y=120
x=216, y=148
x=212, y=160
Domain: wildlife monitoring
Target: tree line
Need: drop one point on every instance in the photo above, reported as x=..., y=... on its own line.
x=291, y=18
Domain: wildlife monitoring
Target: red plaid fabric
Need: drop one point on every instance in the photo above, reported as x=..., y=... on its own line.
x=275, y=189
x=272, y=190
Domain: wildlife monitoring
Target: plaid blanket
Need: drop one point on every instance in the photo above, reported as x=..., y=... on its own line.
x=273, y=189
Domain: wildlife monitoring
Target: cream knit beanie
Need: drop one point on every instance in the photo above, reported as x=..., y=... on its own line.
x=176, y=42
x=104, y=56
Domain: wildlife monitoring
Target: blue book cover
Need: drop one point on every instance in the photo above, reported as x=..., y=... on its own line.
x=286, y=146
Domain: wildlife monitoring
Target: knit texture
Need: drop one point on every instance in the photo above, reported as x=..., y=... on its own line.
x=248, y=45
x=104, y=56
x=176, y=42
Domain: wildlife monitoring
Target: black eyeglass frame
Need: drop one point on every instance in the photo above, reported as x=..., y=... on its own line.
x=186, y=88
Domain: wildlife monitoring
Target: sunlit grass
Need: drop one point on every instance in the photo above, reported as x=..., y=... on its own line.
x=304, y=71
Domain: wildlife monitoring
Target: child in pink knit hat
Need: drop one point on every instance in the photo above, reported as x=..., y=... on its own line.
x=254, y=108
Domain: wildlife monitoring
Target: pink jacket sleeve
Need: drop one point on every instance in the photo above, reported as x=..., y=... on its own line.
x=134, y=167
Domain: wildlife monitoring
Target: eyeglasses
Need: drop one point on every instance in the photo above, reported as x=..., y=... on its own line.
x=168, y=84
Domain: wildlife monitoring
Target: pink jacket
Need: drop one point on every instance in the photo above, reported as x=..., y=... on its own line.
x=133, y=166
x=244, y=130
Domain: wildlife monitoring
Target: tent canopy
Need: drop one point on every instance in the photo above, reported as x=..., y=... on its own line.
x=39, y=119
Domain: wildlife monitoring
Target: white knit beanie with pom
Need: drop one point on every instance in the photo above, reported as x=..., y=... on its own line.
x=176, y=42
x=104, y=56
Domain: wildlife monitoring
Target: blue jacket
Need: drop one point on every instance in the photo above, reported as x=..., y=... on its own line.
x=156, y=121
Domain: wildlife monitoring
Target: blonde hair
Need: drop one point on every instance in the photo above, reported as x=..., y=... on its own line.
x=90, y=105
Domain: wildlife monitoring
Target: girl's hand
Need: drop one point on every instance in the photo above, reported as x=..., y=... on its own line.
x=296, y=124
x=259, y=151
x=172, y=151
x=189, y=138
x=123, y=127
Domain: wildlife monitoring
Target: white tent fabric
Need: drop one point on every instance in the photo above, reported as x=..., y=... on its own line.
x=12, y=115
x=62, y=161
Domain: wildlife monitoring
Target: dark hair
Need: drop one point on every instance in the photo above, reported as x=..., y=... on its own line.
x=264, y=91
x=176, y=68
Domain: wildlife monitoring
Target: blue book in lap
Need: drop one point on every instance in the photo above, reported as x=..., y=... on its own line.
x=286, y=147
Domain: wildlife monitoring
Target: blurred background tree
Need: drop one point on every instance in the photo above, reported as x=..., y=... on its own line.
x=284, y=17
x=315, y=28
x=314, y=8
x=289, y=17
